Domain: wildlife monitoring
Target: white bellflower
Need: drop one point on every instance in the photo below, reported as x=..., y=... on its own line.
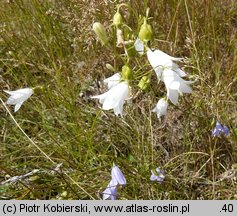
x=18, y=97
x=115, y=97
x=161, y=61
x=161, y=107
x=175, y=85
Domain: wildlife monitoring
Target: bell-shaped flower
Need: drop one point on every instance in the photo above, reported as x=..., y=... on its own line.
x=113, y=80
x=175, y=85
x=161, y=107
x=220, y=129
x=117, y=176
x=110, y=193
x=114, y=98
x=159, y=177
x=18, y=97
x=161, y=61
x=225, y=130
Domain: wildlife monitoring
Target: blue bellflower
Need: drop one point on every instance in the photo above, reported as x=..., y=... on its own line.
x=220, y=129
x=110, y=193
x=117, y=176
x=160, y=177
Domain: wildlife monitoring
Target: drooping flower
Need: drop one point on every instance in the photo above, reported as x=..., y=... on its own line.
x=225, y=130
x=161, y=61
x=18, y=97
x=175, y=85
x=117, y=176
x=114, y=98
x=111, y=191
x=220, y=129
x=159, y=177
x=113, y=80
x=161, y=107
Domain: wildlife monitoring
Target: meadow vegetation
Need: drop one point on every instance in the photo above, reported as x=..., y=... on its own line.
x=51, y=44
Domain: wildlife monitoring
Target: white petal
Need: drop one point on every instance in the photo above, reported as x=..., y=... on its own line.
x=168, y=76
x=14, y=99
x=113, y=80
x=180, y=72
x=161, y=107
x=118, y=110
x=185, y=88
x=161, y=61
x=101, y=97
x=139, y=46
x=109, y=103
x=18, y=97
x=21, y=91
x=17, y=106
x=159, y=72
x=9, y=92
x=166, y=56
x=114, y=98
x=157, y=58
x=173, y=81
x=173, y=96
x=175, y=85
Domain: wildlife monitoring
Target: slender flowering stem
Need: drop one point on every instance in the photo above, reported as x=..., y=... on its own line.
x=35, y=145
x=32, y=142
x=152, y=137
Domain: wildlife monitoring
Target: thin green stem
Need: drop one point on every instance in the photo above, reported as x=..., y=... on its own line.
x=35, y=145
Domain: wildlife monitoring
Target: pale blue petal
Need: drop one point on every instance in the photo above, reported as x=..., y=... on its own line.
x=118, y=176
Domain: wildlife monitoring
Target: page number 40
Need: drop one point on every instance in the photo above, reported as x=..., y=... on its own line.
x=227, y=208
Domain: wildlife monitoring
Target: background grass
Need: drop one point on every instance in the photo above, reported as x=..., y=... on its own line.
x=45, y=42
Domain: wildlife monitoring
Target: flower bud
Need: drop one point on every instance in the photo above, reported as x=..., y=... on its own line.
x=100, y=32
x=144, y=83
x=126, y=73
x=110, y=67
x=64, y=194
x=117, y=19
x=11, y=53
x=145, y=33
